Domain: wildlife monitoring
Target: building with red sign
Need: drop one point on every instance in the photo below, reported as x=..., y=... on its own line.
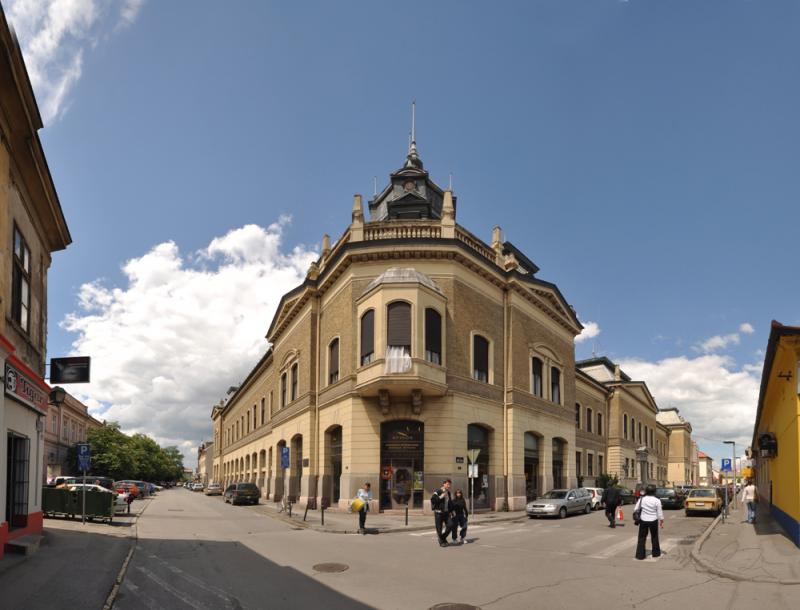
x=32, y=227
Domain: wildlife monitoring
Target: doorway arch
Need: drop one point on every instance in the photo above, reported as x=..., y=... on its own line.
x=478, y=438
x=402, y=464
x=533, y=485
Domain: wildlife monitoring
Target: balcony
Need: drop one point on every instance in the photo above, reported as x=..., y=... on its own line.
x=422, y=379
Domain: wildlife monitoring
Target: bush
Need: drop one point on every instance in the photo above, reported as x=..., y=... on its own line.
x=605, y=480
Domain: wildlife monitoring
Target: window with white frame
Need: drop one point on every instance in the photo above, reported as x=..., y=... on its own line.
x=333, y=361
x=555, y=385
x=480, y=358
x=21, y=282
x=589, y=416
x=433, y=336
x=367, y=337
x=537, y=376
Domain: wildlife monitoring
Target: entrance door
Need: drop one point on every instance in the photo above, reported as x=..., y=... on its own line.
x=17, y=466
x=558, y=464
x=402, y=464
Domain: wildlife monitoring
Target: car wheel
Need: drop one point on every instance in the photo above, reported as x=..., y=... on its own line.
x=687, y=513
x=587, y=509
x=562, y=514
x=531, y=517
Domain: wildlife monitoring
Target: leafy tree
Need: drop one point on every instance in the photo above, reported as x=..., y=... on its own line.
x=604, y=481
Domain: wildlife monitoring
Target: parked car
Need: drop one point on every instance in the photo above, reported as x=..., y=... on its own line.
x=127, y=487
x=239, y=493
x=196, y=487
x=120, y=500
x=705, y=500
x=106, y=482
x=597, y=497
x=560, y=502
x=670, y=498
x=626, y=496
x=214, y=489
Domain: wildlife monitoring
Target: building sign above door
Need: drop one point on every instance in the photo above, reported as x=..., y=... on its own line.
x=24, y=389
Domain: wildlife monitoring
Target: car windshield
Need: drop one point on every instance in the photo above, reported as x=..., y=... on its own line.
x=702, y=493
x=665, y=492
x=247, y=486
x=556, y=494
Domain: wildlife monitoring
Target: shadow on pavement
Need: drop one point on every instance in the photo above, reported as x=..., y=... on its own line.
x=219, y=574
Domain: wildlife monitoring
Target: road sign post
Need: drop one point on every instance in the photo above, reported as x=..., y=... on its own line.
x=84, y=464
x=472, y=469
x=284, y=468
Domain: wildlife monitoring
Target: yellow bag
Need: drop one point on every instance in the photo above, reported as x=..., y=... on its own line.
x=356, y=505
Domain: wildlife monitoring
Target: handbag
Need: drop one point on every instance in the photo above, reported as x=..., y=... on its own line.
x=637, y=514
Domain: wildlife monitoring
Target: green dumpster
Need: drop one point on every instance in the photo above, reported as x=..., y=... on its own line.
x=99, y=504
x=58, y=501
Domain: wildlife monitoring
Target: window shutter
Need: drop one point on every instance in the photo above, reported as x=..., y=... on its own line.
x=481, y=354
x=399, y=325
x=433, y=331
x=368, y=333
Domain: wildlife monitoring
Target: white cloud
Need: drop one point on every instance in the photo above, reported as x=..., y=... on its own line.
x=590, y=330
x=717, y=342
x=54, y=35
x=746, y=328
x=167, y=345
x=716, y=397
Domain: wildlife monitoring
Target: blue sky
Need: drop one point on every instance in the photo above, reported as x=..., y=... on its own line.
x=643, y=154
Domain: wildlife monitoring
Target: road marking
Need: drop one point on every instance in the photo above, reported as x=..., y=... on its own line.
x=483, y=529
x=195, y=581
x=141, y=597
x=627, y=543
x=593, y=540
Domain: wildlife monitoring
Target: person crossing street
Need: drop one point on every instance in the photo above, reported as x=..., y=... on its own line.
x=441, y=503
x=611, y=499
x=459, y=517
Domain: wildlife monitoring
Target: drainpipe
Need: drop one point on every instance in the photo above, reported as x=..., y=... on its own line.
x=315, y=469
x=506, y=385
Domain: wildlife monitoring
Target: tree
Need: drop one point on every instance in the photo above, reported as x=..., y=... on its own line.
x=604, y=481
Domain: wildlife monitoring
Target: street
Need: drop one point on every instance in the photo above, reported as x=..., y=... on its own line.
x=197, y=552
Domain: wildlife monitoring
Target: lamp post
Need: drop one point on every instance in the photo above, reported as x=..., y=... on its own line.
x=733, y=465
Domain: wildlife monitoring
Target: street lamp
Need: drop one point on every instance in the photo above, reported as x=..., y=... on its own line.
x=57, y=395
x=733, y=465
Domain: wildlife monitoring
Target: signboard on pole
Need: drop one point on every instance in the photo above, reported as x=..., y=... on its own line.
x=726, y=465
x=70, y=370
x=473, y=454
x=473, y=471
x=284, y=457
x=84, y=457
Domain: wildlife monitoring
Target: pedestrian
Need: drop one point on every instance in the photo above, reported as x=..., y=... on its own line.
x=365, y=495
x=749, y=499
x=441, y=503
x=459, y=517
x=650, y=516
x=611, y=498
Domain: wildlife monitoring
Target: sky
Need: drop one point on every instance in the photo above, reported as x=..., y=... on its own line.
x=644, y=154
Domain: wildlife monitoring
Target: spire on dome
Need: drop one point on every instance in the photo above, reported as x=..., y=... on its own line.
x=412, y=159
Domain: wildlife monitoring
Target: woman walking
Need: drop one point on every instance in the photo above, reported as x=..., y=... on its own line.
x=459, y=508
x=651, y=516
x=365, y=495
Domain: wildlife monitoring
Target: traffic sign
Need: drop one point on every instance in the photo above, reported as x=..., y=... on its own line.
x=473, y=454
x=84, y=457
x=473, y=471
x=284, y=457
x=726, y=465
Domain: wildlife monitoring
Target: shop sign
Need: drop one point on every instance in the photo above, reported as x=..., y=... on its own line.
x=22, y=388
x=418, y=477
x=386, y=473
x=460, y=460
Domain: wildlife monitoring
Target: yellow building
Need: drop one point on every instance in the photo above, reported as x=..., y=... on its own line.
x=776, y=435
x=683, y=464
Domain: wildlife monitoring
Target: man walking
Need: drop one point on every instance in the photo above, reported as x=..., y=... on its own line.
x=441, y=503
x=611, y=499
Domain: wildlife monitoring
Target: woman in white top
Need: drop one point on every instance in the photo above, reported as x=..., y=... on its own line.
x=366, y=495
x=650, y=516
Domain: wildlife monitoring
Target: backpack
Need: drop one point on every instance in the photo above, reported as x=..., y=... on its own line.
x=436, y=501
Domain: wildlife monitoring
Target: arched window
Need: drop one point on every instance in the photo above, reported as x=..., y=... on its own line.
x=368, y=337
x=295, y=375
x=588, y=420
x=625, y=427
x=555, y=385
x=537, y=370
x=333, y=361
x=600, y=424
x=640, y=432
x=577, y=415
x=633, y=429
x=433, y=336
x=480, y=358
x=283, y=390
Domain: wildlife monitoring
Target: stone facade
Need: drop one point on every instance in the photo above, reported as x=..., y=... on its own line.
x=682, y=450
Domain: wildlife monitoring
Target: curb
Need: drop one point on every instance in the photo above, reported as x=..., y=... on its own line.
x=112, y=595
x=711, y=566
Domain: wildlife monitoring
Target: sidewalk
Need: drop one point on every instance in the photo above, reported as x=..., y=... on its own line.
x=340, y=522
x=738, y=550
x=76, y=565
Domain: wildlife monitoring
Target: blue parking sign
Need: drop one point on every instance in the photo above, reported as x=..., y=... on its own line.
x=726, y=465
x=284, y=457
x=84, y=456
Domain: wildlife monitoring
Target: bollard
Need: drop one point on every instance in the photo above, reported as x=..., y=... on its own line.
x=305, y=514
x=290, y=509
x=322, y=512
x=406, y=514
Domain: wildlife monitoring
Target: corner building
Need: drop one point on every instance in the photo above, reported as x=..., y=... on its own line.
x=410, y=342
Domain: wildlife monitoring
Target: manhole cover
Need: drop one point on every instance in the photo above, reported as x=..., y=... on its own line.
x=330, y=567
x=454, y=607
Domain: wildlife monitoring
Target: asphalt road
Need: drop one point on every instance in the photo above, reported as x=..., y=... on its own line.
x=196, y=552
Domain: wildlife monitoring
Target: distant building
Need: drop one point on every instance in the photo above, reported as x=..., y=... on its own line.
x=65, y=425
x=682, y=451
x=776, y=434
x=32, y=227
x=205, y=462
x=705, y=470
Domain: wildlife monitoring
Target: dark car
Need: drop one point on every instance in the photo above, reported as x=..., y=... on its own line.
x=242, y=493
x=670, y=498
x=626, y=495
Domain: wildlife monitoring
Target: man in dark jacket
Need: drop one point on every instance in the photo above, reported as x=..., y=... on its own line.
x=611, y=499
x=441, y=503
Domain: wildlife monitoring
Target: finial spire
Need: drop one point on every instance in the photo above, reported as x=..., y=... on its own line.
x=413, y=160
x=414, y=122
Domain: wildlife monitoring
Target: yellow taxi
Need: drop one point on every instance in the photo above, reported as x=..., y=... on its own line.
x=703, y=500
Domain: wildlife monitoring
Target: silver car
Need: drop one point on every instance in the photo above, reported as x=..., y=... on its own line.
x=560, y=503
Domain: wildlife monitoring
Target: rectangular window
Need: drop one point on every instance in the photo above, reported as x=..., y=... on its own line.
x=589, y=420
x=577, y=416
x=640, y=432
x=263, y=411
x=600, y=424
x=433, y=336
x=625, y=427
x=398, y=325
x=270, y=404
x=21, y=282
x=626, y=468
x=333, y=361
x=578, y=463
x=480, y=358
x=248, y=422
x=368, y=337
x=283, y=390
x=55, y=424
x=555, y=385
x=294, y=381
x=589, y=464
x=599, y=464
x=651, y=438
x=537, y=371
